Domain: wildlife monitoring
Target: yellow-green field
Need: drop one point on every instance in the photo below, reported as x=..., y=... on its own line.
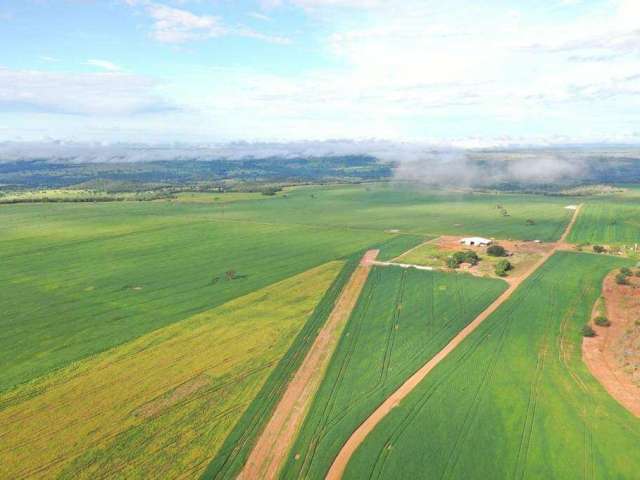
x=161, y=405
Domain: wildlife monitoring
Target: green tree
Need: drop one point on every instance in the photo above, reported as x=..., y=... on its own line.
x=621, y=279
x=502, y=267
x=602, y=321
x=626, y=271
x=496, y=251
x=588, y=331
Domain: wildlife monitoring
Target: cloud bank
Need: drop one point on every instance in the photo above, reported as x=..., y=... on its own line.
x=418, y=163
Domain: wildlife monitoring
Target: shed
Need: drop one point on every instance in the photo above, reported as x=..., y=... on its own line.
x=476, y=241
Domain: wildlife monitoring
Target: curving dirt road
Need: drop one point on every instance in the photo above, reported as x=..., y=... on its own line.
x=357, y=437
x=270, y=451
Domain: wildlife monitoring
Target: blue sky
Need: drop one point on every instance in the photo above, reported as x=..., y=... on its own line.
x=289, y=70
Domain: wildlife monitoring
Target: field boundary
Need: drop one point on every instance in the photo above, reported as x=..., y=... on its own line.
x=271, y=449
x=339, y=464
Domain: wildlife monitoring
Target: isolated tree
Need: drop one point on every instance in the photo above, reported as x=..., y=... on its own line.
x=496, y=251
x=502, y=267
x=588, y=331
x=230, y=274
x=602, y=321
x=530, y=222
x=626, y=271
x=598, y=249
x=621, y=279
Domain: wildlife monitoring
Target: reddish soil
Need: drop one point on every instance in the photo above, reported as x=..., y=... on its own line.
x=523, y=255
x=340, y=463
x=273, y=445
x=613, y=356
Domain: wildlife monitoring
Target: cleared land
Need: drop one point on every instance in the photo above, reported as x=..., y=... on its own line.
x=80, y=279
x=403, y=317
x=274, y=442
x=523, y=255
x=492, y=408
x=613, y=355
x=388, y=207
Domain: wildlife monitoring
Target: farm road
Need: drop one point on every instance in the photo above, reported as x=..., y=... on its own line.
x=274, y=443
x=357, y=437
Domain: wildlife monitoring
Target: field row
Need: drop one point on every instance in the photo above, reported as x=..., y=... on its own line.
x=403, y=318
x=162, y=405
x=514, y=400
x=68, y=300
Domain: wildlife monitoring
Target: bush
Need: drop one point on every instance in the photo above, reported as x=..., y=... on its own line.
x=599, y=249
x=496, y=251
x=466, y=256
x=621, y=279
x=452, y=262
x=626, y=271
x=502, y=267
x=602, y=321
x=588, y=331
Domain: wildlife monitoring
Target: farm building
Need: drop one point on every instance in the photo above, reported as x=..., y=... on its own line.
x=475, y=241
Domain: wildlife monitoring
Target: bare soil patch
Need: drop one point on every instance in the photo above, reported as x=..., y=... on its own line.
x=274, y=443
x=613, y=355
x=523, y=255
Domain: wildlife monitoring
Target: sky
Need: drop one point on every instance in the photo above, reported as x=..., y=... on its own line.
x=459, y=71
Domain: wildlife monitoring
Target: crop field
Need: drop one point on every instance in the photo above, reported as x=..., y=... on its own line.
x=514, y=400
x=611, y=222
x=403, y=317
x=388, y=207
x=234, y=452
x=80, y=279
x=162, y=404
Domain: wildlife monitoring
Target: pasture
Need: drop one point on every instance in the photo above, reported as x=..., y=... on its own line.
x=161, y=405
x=403, y=317
x=413, y=210
x=79, y=279
x=514, y=400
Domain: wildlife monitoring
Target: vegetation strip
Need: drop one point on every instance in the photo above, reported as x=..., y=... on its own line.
x=340, y=463
x=275, y=441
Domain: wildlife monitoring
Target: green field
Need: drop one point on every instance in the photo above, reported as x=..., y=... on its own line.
x=162, y=404
x=402, y=319
x=411, y=210
x=611, y=222
x=515, y=399
x=81, y=278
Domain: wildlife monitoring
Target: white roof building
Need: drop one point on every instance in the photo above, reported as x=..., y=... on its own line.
x=476, y=241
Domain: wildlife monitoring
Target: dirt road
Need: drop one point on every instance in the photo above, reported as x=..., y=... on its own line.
x=340, y=463
x=273, y=445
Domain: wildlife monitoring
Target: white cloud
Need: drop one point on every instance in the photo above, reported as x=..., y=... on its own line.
x=177, y=25
x=173, y=25
x=82, y=94
x=103, y=64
